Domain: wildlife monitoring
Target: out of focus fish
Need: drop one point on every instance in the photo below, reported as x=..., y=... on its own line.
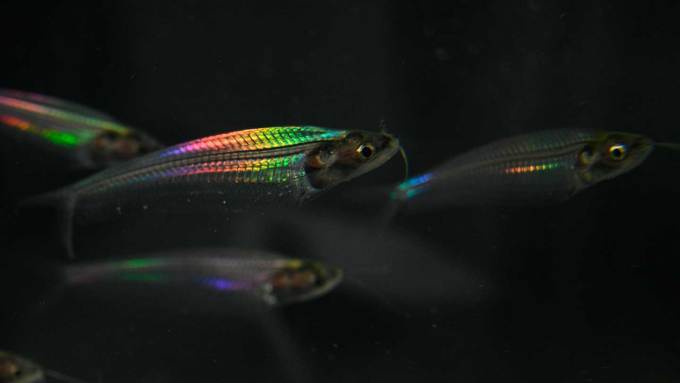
x=228, y=172
x=85, y=137
x=16, y=369
x=538, y=168
x=274, y=279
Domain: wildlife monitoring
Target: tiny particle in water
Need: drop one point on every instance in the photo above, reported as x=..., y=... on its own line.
x=119, y=210
x=145, y=207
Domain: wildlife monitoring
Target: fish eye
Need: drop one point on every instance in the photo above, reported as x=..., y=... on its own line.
x=366, y=151
x=618, y=152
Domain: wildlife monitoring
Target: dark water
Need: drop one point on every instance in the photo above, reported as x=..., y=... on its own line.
x=585, y=291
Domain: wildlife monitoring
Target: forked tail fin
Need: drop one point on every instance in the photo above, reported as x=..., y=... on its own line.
x=64, y=204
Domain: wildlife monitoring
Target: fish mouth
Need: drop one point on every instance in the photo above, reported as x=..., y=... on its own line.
x=642, y=148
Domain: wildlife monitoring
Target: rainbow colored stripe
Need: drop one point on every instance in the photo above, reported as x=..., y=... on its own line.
x=412, y=187
x=531, y=168
x=220, y=274
x=54, y=136
x=256, y=171
x=275, y=170
x=61, y=115
x=254, y=156
x=418, y=184
x=255, y=139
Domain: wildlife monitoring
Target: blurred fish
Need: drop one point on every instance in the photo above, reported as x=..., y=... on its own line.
x=533, y=169
x=274, y=279
x=15, y=369
x=230, y=172
x=87, y=138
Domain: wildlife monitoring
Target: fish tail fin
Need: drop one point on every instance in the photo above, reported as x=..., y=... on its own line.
x=63, y=204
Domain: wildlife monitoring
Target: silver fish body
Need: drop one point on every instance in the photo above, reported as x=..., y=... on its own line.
x=274, y=279
x=252, y=165
x=249, y=170
x=533, y=169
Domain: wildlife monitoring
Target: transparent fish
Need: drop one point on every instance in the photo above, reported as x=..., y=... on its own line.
x=228, y=172
x=533, y=169
x=16, y=369
x=87, y=138
x=274, y=279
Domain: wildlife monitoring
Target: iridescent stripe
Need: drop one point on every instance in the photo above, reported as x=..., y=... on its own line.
x=531, y=168
x=255, y=139
x=54, y=136
x=62, y=115
x=263, y=155
x=541, y=152
x=413, y=186
x=217, y=273
x=273, y=170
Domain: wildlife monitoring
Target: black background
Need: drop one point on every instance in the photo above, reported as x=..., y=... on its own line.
x=581, y=292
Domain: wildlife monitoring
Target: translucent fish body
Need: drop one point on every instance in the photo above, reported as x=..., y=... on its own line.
x=253, y=171
x=274, y=279
x=243, y=166
x=532, y=169
x=88, y=138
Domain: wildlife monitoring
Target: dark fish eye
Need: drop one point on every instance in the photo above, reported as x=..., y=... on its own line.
x=366, y=150
x=617, y=152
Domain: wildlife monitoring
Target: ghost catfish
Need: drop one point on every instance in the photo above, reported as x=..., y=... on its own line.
x=84, y=137
x=239, y=170
x=532, y=169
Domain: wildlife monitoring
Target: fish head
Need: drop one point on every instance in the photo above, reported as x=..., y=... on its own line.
x=349, y=156
x=302, y=280
x=17, y=369
x=611, y=154
x=114, y=146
